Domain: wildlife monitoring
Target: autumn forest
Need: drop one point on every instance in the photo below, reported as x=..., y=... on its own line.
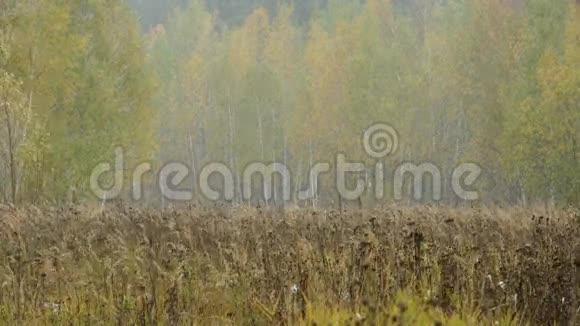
x=494, y=82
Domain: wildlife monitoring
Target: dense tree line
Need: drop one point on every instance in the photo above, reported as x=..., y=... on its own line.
x=72, y=85
x=231, y=13
x=493, y=82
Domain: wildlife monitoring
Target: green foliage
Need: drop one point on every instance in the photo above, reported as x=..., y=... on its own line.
x=492, y=82
x=82, y=70
x=406, y=309
x=544, y=135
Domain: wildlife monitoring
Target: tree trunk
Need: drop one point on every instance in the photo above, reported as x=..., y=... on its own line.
x=313, y=178
x=11, y=159
x=231, y=159
x=298, y=187
x=191, y=148
x=261, y=139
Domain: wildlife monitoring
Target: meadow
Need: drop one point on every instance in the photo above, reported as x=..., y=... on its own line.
x=194, y=266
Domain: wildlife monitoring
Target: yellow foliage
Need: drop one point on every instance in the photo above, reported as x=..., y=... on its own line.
x=248, y=43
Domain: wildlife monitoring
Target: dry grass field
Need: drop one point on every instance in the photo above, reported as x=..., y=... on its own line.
x=188, y=266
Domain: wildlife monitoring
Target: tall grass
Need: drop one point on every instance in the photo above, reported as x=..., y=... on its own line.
x=399, y=266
